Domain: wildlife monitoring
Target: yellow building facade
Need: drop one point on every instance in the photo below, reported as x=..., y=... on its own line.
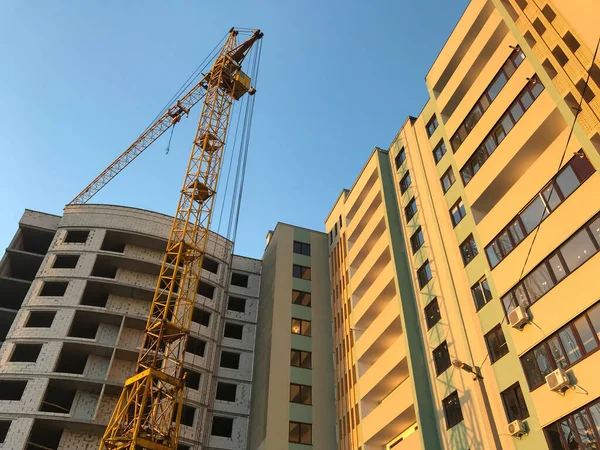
x=464, y=260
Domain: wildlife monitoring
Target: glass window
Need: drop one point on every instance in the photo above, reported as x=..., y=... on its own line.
x=457, y=212
x=516, y=231
x=537, y=283
x=509, y=302
x=300, y=326
x=526, y=100
x=432, y=125
x=505, y=243
x=473, y=117
x=532, y=372
x=441, y=358
x=543, y=361
x=594, y=315
x=582, y=167
x=516, y=111
x=536, y=88
x=567, y=181
x=424, y=274
x=468, y=250
x=439, y=151
x=410, y=209
x=507, y=123
x=588, y=339
x=400, y=157
x=448, y=180
x=301, y=298
x=496, y=343
x=489, y=144
x=514, y=403
x=496, y=86
x=595, y=413
x=432, y=313
x=557, y=267
x=493, y=254
x=405, y=182
x=557, y=353
x=595, y=229
x=301, y=272
x=521, y=296
x=499, y=133
x=577, y=250
x=553, y=436
x=567, y=337
x=302, y=248
x=466, y=173
x=551, y=196
x=481, y=293
x=417, y=240
x=533, y=214
x=455, y=142
x=584, y=428
x=452, y=410
x=508, y=68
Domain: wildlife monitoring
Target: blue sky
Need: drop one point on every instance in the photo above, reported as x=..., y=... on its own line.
x=79, y=81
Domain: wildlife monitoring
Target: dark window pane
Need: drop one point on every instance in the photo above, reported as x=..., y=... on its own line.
x=306, y=433
x=496, y=86
x=577, y=250
x=526, y=100
x=432, y=313
x=441, y=358
x=533, y=374
x=537, y=88
x=595, y=414
x=557, y=354
x=452, y=410
x=595, y=229
x=583, y=425
x=507, y=124
x=466, y=173
x=294, y=432
x=553, y=436
x=537, y=283
x=586, y=334
x=594, y=315
x=568, y=431
x=496, y=343
x=557, y=267
x=533, y=214
x=514, y=403
x=509, y=302
x=473, y=117
x=551, y=196
x=582, y=167
x=517, y=111
x=521, y=296
x=567, y=181
x=505, y=243
x=516, y=232
x=567, y=337
x=493, y=253
x=489, y=144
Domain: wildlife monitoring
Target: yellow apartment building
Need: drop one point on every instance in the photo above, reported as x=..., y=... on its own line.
x=464, y=261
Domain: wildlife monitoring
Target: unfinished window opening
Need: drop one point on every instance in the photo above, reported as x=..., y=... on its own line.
x=193, y=379
x=595, y=74
x=77, y=236
x=26, y=352
x=530, y=39
x=230, y=360
x=210, y=265
x=44, y=436
x=82, y=327
x=183, y=447
x=40, y=319
x=239, y=279
x=550, y=70
x=201, y=316
x=58, y=397
x=236, y=304
x=195, y=346
x=6, y=321
x=71, y=360
x=586, y=92
x=571, y=42
x=103, y=267
x=188, y=414
x=233, y=330
x=4, y=427
x=222, y=426
x=95, y=294
x=521, y=4
x=54, y=288
x=12, y=389
x=572, y=102
x=548, y=13
x=65, y=261
x=226, y=391
x=560, y=56
x=539, y=26
x=35, y=241
x=206, y=290
x=113, y=242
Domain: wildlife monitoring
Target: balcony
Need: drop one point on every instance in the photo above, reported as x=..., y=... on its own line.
x=387, y=372
x=379, y=336
x=367, y=236
x=371, y=303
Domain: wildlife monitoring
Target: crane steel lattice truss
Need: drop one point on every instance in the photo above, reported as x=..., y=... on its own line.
x=148, y=413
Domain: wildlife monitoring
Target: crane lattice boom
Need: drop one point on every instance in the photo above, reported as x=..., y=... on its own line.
x=148, y=412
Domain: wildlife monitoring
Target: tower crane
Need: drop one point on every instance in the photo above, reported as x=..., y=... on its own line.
x=148, y=412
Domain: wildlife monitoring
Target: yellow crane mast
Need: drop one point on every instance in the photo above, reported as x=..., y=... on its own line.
x=148, y=412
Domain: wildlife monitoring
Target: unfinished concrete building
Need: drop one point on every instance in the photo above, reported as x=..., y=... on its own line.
x=76, y=291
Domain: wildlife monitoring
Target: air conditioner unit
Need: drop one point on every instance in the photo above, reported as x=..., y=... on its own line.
x=518, y=317
x=517, y=428
x=558, y=380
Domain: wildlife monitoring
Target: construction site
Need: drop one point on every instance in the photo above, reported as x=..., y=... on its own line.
x=394, y=323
